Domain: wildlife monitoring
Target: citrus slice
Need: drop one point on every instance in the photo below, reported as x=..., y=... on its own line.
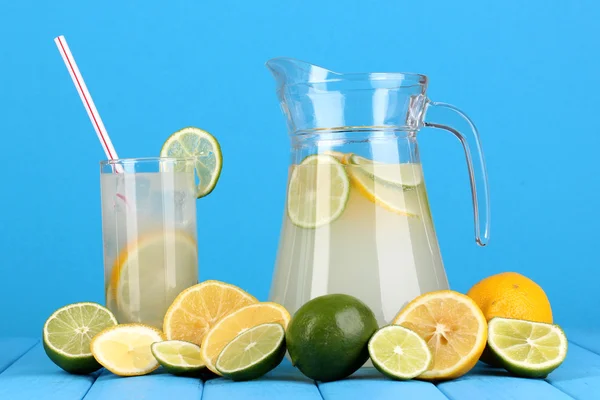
x=195, y=142
x=178, y=357
x=453, y=327
x=197, y=309
x=149, y=274
x=252, y=353
x=404, y=175
x=318, y=191
x=399, y=353
x=525, y=348
x=232, y=325
x=125, y=349
x=68, y=333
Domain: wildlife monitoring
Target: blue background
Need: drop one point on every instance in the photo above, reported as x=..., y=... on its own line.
x=525, y=71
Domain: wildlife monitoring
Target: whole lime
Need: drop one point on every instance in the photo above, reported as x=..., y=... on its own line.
x=328, y=337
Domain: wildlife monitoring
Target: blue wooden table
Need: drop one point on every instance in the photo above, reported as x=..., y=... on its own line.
x=26, y=373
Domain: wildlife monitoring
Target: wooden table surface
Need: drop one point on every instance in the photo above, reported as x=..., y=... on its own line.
x=26, y=373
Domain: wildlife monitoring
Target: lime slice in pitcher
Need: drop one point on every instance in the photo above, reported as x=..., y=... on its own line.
x=318, y=191
x=195, y=142
x=69, y=331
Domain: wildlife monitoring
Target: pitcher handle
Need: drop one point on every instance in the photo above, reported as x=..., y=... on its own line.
x=469, y=137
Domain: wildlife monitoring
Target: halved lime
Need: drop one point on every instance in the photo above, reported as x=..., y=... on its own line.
x=399, y=353
x=404, y=175
x=253, y=353
x=525, y=348
x=179, y=358
x=195, y=142
x=318, y=191
x=68, y=334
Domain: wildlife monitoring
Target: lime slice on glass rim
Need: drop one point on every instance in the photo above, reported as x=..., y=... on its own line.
x=253, y=353
x=69, y=331
x=399, y=353
x=525, y=348
x=179, y=358
x=195, y=142
x=318, y=191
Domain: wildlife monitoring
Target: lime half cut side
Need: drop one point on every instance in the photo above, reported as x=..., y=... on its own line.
x=399, y=353
x=525, y=348
x=318, y=191
x=68, y=334
x=197, y=143
x=179, y=358
x=253, y=353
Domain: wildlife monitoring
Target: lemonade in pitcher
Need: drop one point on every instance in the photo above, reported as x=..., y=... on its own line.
x=351, y=214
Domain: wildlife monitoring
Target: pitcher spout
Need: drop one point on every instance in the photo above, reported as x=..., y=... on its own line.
x=290, y=71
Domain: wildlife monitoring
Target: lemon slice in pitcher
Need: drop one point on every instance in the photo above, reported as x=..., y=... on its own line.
x=318, y=191
x=195, y=142
x=404, y=175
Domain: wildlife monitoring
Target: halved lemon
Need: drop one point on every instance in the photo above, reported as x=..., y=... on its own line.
x=318, y=191
x=232, y=325
x=454, y=328
x=197, y=309
x=149, y=274
x=125, y=350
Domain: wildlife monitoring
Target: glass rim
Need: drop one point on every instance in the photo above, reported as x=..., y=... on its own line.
x=146, y=159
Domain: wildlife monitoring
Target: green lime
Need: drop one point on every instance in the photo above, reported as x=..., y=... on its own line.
x=399, y=353
x=525, y=348
x=253, y=352
x=318, y=191
x=68, y=334
x=179, y=358
x=328, y=337
x=195, y=142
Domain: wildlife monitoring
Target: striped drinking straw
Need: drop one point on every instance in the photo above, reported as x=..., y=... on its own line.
x=86, y=98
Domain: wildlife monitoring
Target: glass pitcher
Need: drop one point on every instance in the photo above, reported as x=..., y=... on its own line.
x=357, y=219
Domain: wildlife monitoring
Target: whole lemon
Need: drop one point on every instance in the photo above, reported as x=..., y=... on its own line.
x=510, y=295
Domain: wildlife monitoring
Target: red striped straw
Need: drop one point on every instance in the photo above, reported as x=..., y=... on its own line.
x=86, y=98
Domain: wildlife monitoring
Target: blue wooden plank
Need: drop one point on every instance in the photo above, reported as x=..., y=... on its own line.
x=579, y=375
x=285, y=382
x=368, y=383
x=485, y=383
x=159, y=385
x=12, y=349
x=588, y=338
x=34, y=376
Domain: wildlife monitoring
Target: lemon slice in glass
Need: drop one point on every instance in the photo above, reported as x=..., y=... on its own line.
x=318, y=191
x=149, y=275
x=195, y=142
